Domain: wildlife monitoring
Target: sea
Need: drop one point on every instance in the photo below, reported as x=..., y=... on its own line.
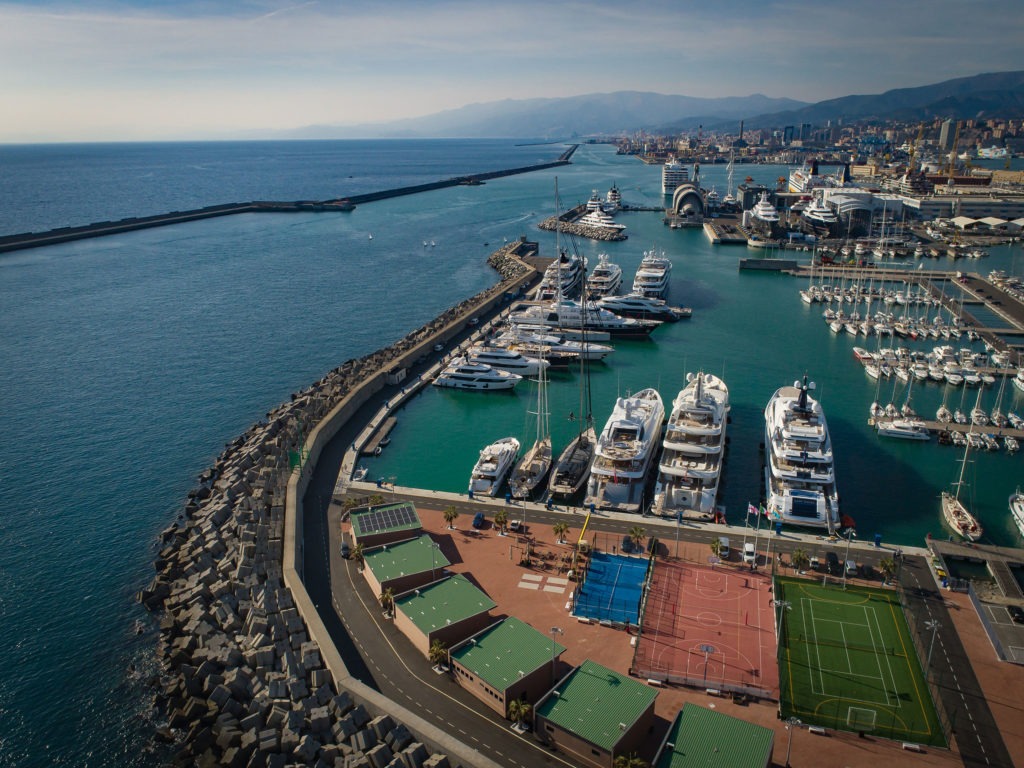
x=129, y=362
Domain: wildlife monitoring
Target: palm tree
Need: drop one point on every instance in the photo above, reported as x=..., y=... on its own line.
x=357, y=555
x=501, y=520
x=376, y=499
x=888, y=568
x=519, y=711
x=800, y=560
x=438, y=653
x=560, y=529
x=629, y=761
x=716, y=549
x=637, y=534
x=387, y=600
x=451, y=514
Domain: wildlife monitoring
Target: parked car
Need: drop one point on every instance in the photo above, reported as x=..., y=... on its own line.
x=1016, y=613
x=479, y=520
x=346, y=550
x=851, y=568
x=516, y=526
x=749, y=553
x=723, y=551
x=627, y=544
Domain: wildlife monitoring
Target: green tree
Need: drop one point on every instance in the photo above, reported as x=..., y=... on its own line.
x=357, y=555
x=888, y=568
x=716, y=548
x=376, y=499
x=387, y=600
x=637, y=534
x=560, y=529
x=630, y=761
x=519, y=711
x=438, y=653
x=451, y=514
x=501, y=520
x=801, y=561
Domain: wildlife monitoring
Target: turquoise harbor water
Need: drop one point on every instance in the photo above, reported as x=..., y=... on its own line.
x=130, y=361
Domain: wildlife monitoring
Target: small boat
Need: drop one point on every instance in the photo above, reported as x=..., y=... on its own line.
x=1017, y=510
x=493, y=465
x=905, y=429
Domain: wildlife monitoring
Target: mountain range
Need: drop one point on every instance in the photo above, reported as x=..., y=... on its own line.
x=623, y=112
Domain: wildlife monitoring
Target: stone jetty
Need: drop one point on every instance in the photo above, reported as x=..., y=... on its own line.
x=251, y=678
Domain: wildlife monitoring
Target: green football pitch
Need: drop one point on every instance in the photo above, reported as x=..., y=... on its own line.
x=847, y=661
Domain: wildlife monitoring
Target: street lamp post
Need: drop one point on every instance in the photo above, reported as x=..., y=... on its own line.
x=791, y=724
x=934, y=626
x=708, y=650
x=554, y=631
x=846, y=558
x=782, y=605
x=434, y=549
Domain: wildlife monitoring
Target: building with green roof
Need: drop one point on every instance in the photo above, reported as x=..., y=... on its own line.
x=404, y=565
x=705, y=738
x=508, y=661
x=595, y=714
x=449, y=610
x=384, y=524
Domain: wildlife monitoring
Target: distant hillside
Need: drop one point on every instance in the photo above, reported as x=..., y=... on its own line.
x=989, y=94
x=588, y=115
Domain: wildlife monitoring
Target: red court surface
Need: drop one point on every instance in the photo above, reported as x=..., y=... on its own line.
x=710, y=628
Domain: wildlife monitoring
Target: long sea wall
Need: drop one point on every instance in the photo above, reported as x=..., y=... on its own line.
x=25, y=240
x=252, y=676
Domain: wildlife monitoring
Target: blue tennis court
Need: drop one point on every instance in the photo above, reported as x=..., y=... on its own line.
x=612, y=589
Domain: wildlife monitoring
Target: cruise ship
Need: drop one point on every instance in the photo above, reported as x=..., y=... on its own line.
x=605, y=279
x=805, y=179
x=691, y=462
x=673, y=174
x=800, y=483
x=462, y=374
x=625, y=452
x=653, y=275
x=493, y=466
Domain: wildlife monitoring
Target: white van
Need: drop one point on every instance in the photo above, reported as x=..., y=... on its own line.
x=749, y=553
x=723, y=551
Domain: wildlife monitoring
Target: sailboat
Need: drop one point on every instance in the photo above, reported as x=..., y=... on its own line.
x=572, y=470
x=953, y=510
x=532, y=470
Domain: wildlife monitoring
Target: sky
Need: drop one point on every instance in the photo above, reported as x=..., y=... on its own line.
x=208, y=69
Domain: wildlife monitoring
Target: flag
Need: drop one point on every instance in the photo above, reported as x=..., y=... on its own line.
x=751, y=509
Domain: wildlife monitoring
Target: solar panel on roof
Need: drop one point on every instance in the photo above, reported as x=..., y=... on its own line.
x=385, y=518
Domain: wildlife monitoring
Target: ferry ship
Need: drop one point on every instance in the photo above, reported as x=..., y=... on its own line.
x=673, y=174
x=625, y=452
x=691, y=462
x=800, y=483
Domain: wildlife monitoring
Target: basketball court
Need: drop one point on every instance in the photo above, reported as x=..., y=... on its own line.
x=709, y=627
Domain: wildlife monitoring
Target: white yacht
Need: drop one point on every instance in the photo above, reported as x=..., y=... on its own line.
x=519, y=336
x=765, y=211
x=605, y=279
x=907, y=429
x=612, y=200
x=643, y=307
x=691, y=462
x=800, y=483
x=462, y=374
x=562, y=278
x=493, y=465
x=673, y=174
x=819, y=215
x=506, y=360
x=1017, y=510
x=577, y=315
x=1018, y=380
x=653, y=274
x=625, y=452
x=954, y=512
x=600, y=220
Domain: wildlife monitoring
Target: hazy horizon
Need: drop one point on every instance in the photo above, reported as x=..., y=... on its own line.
x=154, y=70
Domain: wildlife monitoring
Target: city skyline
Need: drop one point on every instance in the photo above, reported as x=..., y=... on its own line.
x=160, y=70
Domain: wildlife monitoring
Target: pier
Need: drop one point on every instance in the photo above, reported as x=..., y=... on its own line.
x=26, y=240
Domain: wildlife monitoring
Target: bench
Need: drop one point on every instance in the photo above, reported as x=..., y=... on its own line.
x=817, y=729
x=911, y=746
x=655, y=683
x=712, y=692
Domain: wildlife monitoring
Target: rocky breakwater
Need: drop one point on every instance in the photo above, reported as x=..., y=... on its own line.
x=244, y=684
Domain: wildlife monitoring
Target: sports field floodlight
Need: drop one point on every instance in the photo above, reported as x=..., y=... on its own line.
x=791, y=724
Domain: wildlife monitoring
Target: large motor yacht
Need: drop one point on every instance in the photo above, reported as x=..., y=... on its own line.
x=691, y=462
x=653, y=274
x=800, y=483
x=819, y=216
x=577, y=315
x=625, y=453
x=605, y=278
x=506, y=360
x=765, y=211
x=643, y=307
x=562, y=278
x=493, y=466
x=600, y=220
x=462, y=374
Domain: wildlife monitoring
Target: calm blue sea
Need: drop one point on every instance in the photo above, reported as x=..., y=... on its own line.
x=128, y=362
